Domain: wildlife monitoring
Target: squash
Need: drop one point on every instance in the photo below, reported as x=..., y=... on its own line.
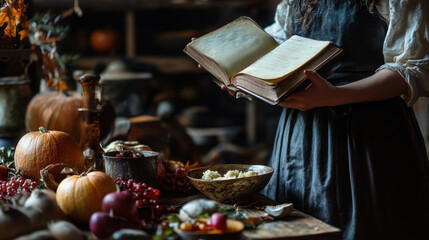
x=78, y=196
x=103, y=40
x=58, y=111
x=38, y=149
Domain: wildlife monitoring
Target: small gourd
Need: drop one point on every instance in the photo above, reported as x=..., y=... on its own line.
x=78, y=196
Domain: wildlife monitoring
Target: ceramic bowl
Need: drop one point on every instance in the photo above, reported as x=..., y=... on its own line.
x=235, y=229
x=238, y=190
x=141, y=169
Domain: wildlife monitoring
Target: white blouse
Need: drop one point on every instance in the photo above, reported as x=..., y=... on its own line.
x=406, y=46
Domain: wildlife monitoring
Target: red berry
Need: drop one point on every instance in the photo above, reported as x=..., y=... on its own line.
x=139, y=203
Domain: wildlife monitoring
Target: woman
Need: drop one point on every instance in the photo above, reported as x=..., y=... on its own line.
x=348, y=149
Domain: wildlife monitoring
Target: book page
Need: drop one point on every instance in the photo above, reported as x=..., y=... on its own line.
x=285, y=59
x=236, y=45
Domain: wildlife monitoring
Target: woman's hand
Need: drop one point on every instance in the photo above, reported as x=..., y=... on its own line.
x=199, y=65
x=223, y=87
x=320, y=93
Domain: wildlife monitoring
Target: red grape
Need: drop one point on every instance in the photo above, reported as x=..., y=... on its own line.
x=128, y=154
x=146, y=199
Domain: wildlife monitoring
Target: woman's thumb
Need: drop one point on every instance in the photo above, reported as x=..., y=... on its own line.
x=313, y=76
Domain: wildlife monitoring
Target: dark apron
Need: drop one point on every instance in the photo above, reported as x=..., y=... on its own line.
x=360, y=167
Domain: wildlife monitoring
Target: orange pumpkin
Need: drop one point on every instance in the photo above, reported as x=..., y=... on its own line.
x=103, y=40
x=38, y=149
x=58, y=111
x=79, y=196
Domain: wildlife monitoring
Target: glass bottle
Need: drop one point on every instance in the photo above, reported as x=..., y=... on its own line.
x=90, y=128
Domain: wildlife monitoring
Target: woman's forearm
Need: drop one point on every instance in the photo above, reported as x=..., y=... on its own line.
x=382, y=85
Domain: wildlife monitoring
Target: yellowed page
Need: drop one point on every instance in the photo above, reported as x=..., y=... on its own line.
x=286, y=58
x=235, y=45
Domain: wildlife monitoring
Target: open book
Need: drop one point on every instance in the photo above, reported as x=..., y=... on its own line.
x=245, y=58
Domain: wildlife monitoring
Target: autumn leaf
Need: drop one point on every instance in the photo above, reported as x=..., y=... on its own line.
x=189, y=167
x=49, y=64
x=6, y=17
x=49, y=81
x=60, y=85
x=24, y=33
x=13, y=15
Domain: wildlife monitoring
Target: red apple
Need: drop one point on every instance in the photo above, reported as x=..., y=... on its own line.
x=218, y=221
x=103, y=225
x=121, y=203
x=3, y=173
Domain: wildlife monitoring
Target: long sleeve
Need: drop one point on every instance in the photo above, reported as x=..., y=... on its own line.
x=281, y=29
x=406, y=46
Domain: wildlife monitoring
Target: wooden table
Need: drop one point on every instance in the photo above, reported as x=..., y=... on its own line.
x=297, y=225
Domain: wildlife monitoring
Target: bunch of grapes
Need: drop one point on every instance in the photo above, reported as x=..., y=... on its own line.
x=15, y=187
x=177, y=181
x=146, y=197
x=132, y=154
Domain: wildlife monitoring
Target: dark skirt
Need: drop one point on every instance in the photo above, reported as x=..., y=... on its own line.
x=361, y=167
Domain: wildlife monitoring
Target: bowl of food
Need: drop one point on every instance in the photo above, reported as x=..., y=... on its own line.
x=230, y=183
x=203, y=229
x=140, y=165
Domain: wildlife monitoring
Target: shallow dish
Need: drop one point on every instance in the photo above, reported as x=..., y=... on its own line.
x=235, y=229
x=238, y=190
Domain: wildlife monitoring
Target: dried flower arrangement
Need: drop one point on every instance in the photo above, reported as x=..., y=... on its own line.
x=45, y=31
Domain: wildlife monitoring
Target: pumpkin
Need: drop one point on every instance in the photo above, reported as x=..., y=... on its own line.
x=79, y=196
x=38, y=149
x=103, y=40
x=58, y=111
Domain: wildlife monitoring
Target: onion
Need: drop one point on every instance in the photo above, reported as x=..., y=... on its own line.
x=44, y=200
x=13, y=222
x=37, y=218
x=63, y=230
x=38, y=235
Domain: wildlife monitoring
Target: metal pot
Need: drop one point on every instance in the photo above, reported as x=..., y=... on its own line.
x=142, y=169
x=15, y=93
